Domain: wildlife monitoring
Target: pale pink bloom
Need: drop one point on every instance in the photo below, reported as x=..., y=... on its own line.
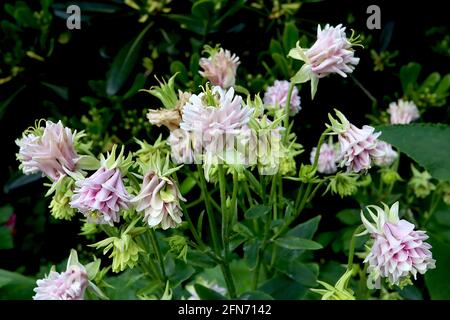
x=276, y=97
x=327, y=158
x=403, y=112
x=398, y=250
x=184, y=147
x=389, y=154
x=220, y=68
x=159, y=199
x=101, y=196
x=49, y=153
x=215, y=126
x=68, y=285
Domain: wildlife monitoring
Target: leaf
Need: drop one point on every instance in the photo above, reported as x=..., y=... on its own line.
x=138, y=83
x=431, y=81
x=443, y=86
x=349, y=216
x=305, y=274
x=282, y=287
x=178, y=66
x=203, y=9
x=409, y=75
x=123, y=63
x=21, y=181
x=14, y=286
x=306, y=229
x=5, y=103
x=243, y=230
x=290, y=36
x=251, y=249
x=427, y=144
x=255, y=295
x=437, y=280
x=257, y=211
x=5, y=213
x=298, y=243
x=6, y=240
x=63, y=92
x=208, y=294
x=281, y=63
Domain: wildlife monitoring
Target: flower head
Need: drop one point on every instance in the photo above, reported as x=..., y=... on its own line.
x=276, y=96
x=403, y=112
x=68, y=285
x=331, y=53
x=59, y=206
x=159, y=200
x=388, y=154
x=398, y=250
x=184, y=147
x=358, y=147
x=48, y=150
x=220, y=68
x=327, y=158
x=102, y=195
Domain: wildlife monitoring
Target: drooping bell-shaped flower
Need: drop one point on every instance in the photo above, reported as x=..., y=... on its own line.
x=101, y=196
x=403, y=112
x=276, y=97
x=358, y=147
x=68, y=285
x=159, y=200
x=184, y=147
x=220, y=67
x=49, y=150
x=398, y=250
x=331, y=53
x=389, y=154
x=327, y=158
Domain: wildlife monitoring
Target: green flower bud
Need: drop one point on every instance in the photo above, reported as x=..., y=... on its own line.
x=59, y=206
x=420, y=183
x=178, y=246
x=389, y=176
x=337, y=292
x=89, y=229
x=446, y=192
x=307, y=173
x=344, y=184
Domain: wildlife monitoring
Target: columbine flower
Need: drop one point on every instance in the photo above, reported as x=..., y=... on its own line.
x=389, y=154
x=331, y=53
x=276, y=96
x=403, y=112
x=220, y=68
x=398, y=250
x=68, y=285
x=184, y=147
x=159, y=199
x=343, y=183
x=101, y=196
x=420, y=183
x=216, y=117
x=49, y=150
x=337, y=292
x=358, y=147
x=327, y=158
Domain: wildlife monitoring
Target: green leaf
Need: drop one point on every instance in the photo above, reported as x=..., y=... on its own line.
x=14, y=286
x=178, y=66
x=443, y=86
x=21, y=181
x=208, y=294
x=290, y=36
x=408, y=76
x=243, y=230
x=283, y=287
x=6, y=240
x=432, y=80
x=63, y=92
x=138, y=83
x=349, y=216
x=306, y=229
x=281, y=63
x=437, y=280
x=251, y=249
x=203, y=9
x=123, y=63
x=305, y=274
x=298, y=243
x=427, y=144
x=255, y=295
x=257, y=211
x=5, y=213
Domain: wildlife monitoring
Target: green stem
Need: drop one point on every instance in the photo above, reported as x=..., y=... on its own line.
x=287, y=110
x=319, y=145
x=209, y=212
x=351, y=251
x=223, y=206
x=157, y=249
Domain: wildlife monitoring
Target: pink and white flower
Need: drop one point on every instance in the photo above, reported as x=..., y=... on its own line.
x=358, y=147
x=184, y=147
x=50, y=153
x=389, y=154
x=68, y=285
x=398, y=250
x=403, y=112
x=159, y=200
x=276, y=96
x=101, y=196
x=327, y=158
x=220, y=68
x=215, y=118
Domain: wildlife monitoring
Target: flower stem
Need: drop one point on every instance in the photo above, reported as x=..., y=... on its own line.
x=319, y=145
x=209, y=212
x=287, y=110
x=351, y=251
x=156, y=247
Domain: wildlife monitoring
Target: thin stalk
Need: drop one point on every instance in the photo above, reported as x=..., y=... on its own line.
x=351, y=251
x=287, y=110
x=157, y=249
